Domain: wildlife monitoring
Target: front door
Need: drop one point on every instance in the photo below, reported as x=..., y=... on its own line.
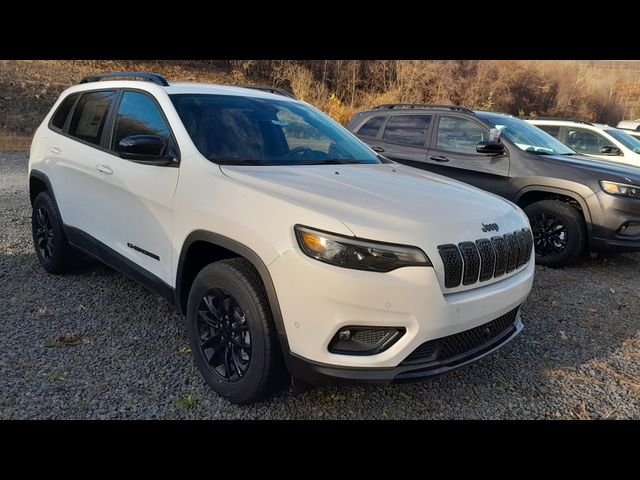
x=137, y=210
x=453, y=153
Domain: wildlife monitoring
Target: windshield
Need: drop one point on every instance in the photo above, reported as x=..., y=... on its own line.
x=525, y=136
x=625, y=139
x=230, y=129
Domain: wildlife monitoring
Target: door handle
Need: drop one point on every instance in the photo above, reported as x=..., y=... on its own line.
x=377, y=149
x=440, y=159
x=55, y=150
x=106, y=169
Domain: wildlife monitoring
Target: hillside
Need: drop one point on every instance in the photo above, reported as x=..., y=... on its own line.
x=604, y=91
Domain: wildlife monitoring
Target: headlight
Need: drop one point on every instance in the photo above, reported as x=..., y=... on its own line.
x=350, y=252
x=622, y=189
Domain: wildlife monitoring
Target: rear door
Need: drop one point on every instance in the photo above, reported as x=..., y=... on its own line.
x=453, y=153
x=74, y=153
x=404, y=138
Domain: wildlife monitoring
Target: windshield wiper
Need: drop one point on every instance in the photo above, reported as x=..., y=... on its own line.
x=326, y=161
x=222, y=160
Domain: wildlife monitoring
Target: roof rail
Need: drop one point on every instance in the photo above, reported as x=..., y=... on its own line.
x=391, y=106
x=277, y=91
x=559, y=119
x=152, y=77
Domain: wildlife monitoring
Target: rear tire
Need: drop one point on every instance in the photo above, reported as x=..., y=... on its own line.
x=232, y=334
x=559, y=232
x=49, y=241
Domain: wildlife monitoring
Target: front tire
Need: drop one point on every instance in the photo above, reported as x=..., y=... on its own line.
x=232, y=334
x=559, y=232
x=50, y=243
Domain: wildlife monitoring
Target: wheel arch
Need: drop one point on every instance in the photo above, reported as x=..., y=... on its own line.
x=534, y=193
x=200, y=248
x=38, y=183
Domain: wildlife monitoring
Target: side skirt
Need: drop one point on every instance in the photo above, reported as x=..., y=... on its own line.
x=89, y=245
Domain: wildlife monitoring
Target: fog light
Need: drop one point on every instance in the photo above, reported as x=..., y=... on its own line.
x=630, y=229
x=344, y=335
x=364, y=340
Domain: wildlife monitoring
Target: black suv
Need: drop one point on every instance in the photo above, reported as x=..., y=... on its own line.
x=574, y=203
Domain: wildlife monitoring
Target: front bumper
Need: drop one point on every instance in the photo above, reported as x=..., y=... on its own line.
x=320, y=374
x=617, y=211
x=317, y=300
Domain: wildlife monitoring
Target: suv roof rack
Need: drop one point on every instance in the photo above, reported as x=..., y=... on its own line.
x=391, y=106
x=278, y=91
x=559, y=119
x=152, y=77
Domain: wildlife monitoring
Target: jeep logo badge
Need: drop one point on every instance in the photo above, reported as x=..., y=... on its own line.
x=488, y=227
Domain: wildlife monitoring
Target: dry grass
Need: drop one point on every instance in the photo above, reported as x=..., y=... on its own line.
x=597, y=91
x=581, y=401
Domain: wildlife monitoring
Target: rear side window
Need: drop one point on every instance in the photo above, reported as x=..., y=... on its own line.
x=90, y=116
x=553, y=130
x=138, y=114
x=60, y=117
x=407, y=129
x=371, y=127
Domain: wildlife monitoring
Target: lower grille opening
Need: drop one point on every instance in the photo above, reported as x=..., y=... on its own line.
x=446, y=348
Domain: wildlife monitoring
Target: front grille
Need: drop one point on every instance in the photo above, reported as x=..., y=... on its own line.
x=446, y=348
x=452, y=265
x=470, y=262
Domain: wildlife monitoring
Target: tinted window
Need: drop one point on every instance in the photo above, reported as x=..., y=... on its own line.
x=629, y=141
x=553, y=130
x=231, y=129
x=585, y=141
x=407, y=129
x=60, y=117
x=460, y=135
x=371, y=127
x=90, y=116
x=524, y=135
x=138, y=114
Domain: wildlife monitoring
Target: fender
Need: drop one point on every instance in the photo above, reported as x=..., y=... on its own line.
x=560, y=191
x=43, y=177
x=256, y=261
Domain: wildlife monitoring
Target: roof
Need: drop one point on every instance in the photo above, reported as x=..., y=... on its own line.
x=180, y=87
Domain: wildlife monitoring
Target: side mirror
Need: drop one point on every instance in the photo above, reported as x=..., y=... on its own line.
x=490, y=148
x=143, y=147
x=610, y=150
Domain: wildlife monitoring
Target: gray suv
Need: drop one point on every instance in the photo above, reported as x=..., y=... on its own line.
x=575, y=204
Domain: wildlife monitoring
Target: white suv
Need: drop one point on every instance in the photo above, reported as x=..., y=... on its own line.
x=288, y=243
x=593, y=139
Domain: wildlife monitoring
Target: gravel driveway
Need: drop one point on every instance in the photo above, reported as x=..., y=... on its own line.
x=94, y=344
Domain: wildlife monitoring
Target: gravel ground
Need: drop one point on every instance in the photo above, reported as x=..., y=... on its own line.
x=94, y=344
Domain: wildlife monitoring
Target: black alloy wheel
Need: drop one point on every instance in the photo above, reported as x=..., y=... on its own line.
x=549, y=234
x=44, y=233
x=225, y=339
x=559, y=232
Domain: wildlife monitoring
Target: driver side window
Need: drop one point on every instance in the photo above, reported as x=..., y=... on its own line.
x=585, y=141
x=459, y=135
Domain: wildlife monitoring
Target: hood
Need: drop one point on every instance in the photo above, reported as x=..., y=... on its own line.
x=606, y=169
x=387, y=202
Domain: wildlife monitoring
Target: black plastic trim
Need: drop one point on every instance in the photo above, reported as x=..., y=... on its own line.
x=324, y=374
x=391, y=106
x=41, y=176
x=256, y=261
x=387, y=341
x=152, y=77
x=277, y=91
x=91, y=246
